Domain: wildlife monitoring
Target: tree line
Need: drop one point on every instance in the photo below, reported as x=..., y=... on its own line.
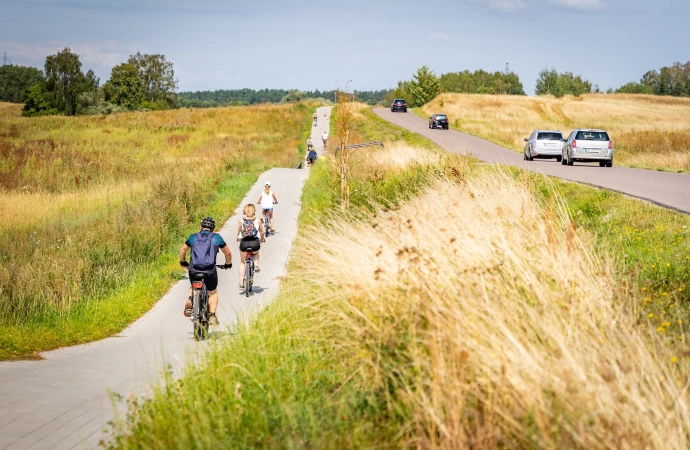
x=673, y=80
x=233, y=97
x=425, y=85
x=144, y=82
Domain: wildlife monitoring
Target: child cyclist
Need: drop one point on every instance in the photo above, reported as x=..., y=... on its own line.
x=250, y=232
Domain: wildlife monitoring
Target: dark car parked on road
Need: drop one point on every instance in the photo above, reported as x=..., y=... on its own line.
x=399, y=104
x=438, y=121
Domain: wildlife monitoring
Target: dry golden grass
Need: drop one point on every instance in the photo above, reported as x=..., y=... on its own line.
x=648, y=131
x=493, y=321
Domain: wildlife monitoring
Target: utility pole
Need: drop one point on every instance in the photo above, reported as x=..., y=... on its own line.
x=5, y=60
x=507, y=69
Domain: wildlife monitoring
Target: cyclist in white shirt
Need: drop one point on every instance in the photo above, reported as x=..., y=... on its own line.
x=324, y=138
x=267, y=200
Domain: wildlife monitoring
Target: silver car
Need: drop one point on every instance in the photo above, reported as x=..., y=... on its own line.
x=543, y=144
x=588, y=146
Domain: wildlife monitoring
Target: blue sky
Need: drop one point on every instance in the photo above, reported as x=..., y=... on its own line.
x=322, y=44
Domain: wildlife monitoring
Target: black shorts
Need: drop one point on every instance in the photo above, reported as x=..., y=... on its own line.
x=252, y=245
x=210, y=280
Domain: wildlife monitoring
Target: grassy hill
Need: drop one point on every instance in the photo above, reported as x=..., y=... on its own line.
x=648, y=131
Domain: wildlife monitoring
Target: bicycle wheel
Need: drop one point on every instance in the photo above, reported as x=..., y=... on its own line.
x=196, y=313
x=247, y=278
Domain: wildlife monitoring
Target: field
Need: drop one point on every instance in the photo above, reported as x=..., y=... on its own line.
x=93, y=208
x=431, y=316
x=648, y=131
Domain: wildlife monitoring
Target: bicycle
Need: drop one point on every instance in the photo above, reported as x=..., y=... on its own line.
x=267, y=223
x=200, y=314
x=249, y=271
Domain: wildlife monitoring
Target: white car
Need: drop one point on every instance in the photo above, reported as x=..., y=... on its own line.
x=545, y=144
x=588, y=146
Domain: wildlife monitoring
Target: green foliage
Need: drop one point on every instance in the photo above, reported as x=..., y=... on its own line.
x=481, y=82
x=158, y=77
x=241, y=97
x=673, y=80
x=551, y=82
x=423, y=87
x=634, y=88
x=14, y=80
x=124, y=88
x=64, y=81
x=35, y=102
x=294, y=96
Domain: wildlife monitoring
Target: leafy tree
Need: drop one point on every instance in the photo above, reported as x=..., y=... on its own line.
x=547, y=83
x=423, y=87
x=124, y=88
x=293, y=96
x=482, y=82
x=158, y=77
x=672, y=80
x=35, y=102
x=14, y=80
x=64, y=81
x=551, y=82
x=634, y=88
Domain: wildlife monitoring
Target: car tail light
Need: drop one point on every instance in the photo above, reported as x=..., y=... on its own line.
x=574, y=143
x=610, y=145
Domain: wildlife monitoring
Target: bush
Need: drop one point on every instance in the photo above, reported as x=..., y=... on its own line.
x=35, y=103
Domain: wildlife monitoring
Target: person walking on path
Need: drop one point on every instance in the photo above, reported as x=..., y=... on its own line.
x=267, y=199
x=324, y=138
x=249, y=231
x=204, y=246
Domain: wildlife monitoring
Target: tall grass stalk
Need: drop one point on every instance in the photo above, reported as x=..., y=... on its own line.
x=494, y=323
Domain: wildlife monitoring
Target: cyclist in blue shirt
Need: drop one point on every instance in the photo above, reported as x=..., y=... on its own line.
x=210, y=275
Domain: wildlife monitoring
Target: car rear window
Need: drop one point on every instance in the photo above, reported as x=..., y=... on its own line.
x=440, y=116
x=592, y=135
x=549, y=136
x=398, y=100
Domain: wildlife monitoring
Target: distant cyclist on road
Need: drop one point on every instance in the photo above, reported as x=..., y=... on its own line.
x=249, y=231
x=267, y=200
x=324, y=138
x=311, y=157
x=315, y=117
x=310, y=144
x=204, y=246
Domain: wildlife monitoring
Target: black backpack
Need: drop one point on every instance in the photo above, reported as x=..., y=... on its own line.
x=203, y=257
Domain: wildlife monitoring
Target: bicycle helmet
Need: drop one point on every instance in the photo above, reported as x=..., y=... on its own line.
x=208, y=222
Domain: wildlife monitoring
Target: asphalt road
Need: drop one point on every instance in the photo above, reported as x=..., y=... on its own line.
x=664, y=188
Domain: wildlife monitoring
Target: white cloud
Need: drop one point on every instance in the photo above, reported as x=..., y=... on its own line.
x=582, y=5
x=439, y=37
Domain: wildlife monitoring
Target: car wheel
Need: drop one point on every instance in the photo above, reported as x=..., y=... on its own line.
x=570, y=161
x=558, y=158
x=405, y=110
x=609, y=164
x=602, y=163
x=563, y=160
x=524, y=156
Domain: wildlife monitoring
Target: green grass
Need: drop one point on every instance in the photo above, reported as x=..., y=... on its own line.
x=649, y=245
x=108, y=314
x=83, y=273
x=287, y=380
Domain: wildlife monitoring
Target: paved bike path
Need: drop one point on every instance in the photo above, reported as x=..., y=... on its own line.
x=63, y=401
x=664, y=188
